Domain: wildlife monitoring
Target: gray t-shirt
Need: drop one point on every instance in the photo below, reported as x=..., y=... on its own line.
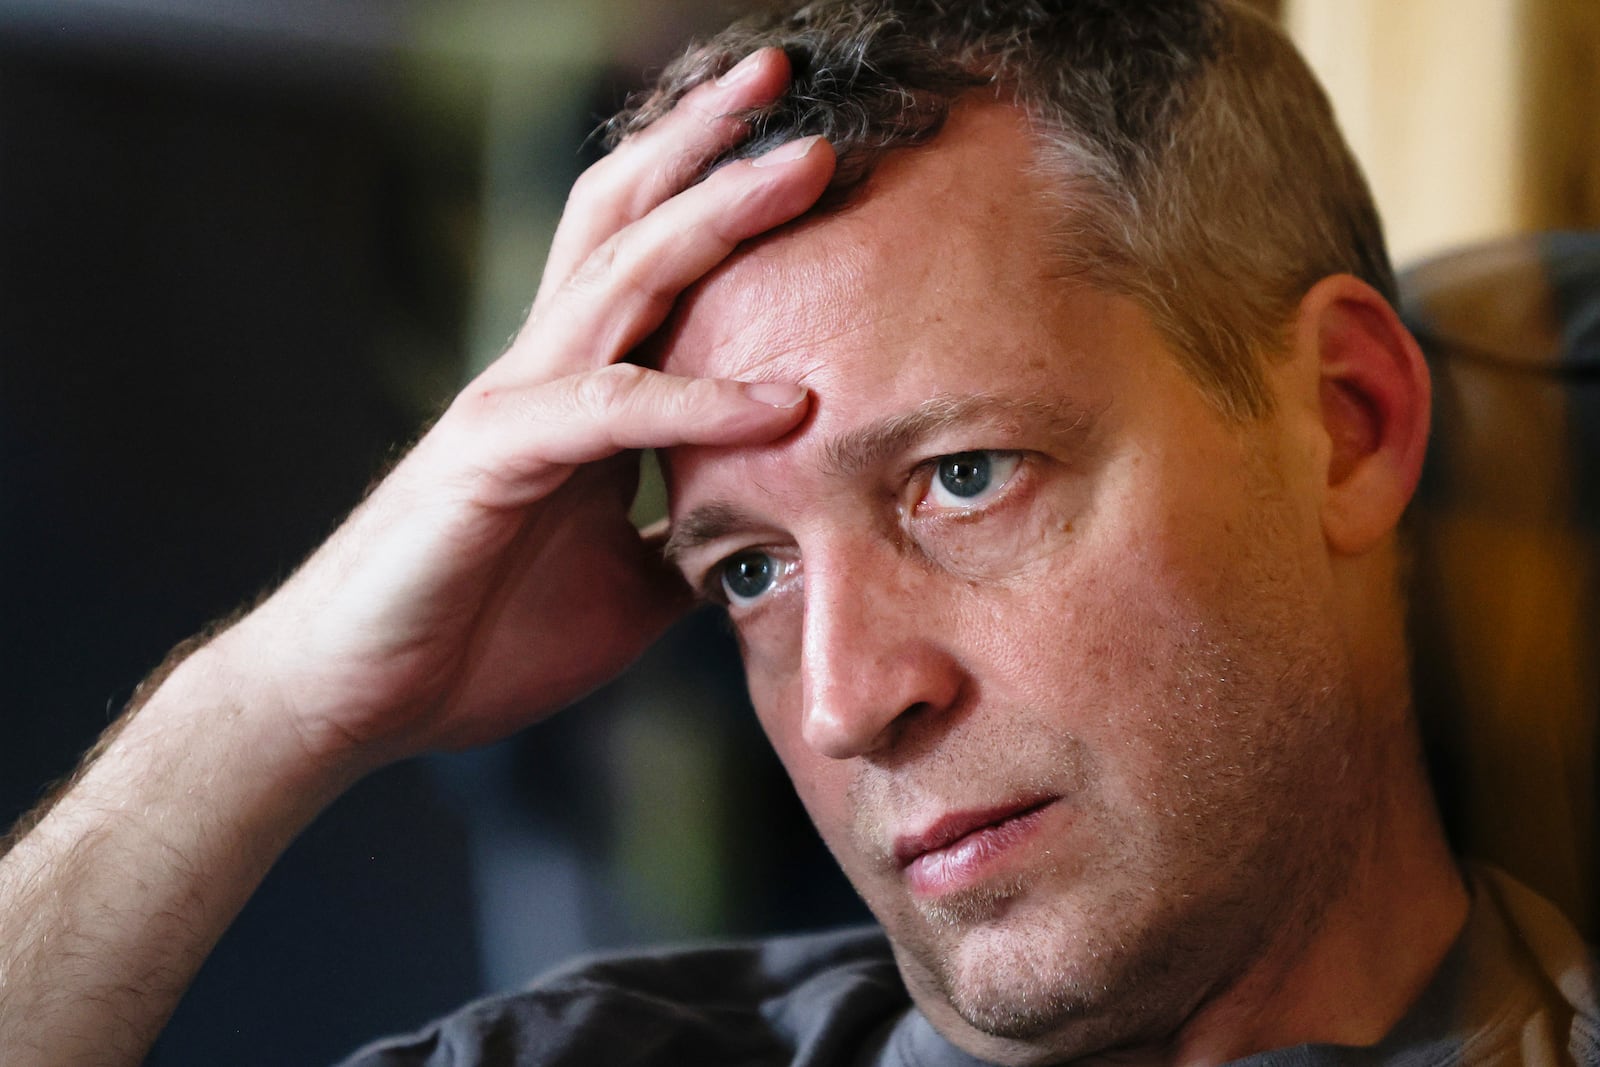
x=1518, y=987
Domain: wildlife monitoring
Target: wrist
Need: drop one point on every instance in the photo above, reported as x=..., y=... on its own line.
x=225, y=731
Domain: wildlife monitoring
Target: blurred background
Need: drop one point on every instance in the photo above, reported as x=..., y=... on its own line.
x=247, y=247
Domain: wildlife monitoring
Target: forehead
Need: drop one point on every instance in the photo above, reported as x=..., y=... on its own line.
x=934, y=294
x=944, y=233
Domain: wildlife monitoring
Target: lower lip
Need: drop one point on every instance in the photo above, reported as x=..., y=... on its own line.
x=966, y=862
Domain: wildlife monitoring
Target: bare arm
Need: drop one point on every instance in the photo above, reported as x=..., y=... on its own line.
x=108, y=906
x=488, y=581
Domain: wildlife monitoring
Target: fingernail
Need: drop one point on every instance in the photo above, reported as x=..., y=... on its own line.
x=775, y=394
x=740, y=70
x=787, y=152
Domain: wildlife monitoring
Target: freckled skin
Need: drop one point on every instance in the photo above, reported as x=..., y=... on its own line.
x=1141, y=623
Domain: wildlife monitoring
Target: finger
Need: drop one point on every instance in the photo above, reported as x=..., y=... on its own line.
x=627, y=286
x=530, y=438
x=655, y=535
x=656, y=163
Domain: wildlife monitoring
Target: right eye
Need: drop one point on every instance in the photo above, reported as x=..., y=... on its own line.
x=747, y=576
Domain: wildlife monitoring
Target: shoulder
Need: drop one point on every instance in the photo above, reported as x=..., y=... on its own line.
x=754, y=1002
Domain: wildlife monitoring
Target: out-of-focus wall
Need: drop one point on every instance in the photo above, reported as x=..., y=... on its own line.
x=1474, y=118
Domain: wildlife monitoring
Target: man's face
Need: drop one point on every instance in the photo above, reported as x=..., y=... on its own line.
x=1046, y=645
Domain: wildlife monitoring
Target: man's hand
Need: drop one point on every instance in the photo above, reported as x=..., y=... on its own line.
x=491, y=578
x=494, y=576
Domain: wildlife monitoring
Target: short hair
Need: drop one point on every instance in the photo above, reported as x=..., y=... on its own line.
x=1195, y=161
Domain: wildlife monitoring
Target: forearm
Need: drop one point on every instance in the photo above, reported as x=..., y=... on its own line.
x=491, y=579
x=111, y=902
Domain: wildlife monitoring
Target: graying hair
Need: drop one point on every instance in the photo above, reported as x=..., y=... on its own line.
x=1196, y=164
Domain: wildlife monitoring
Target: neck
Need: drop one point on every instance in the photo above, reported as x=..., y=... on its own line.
x=1377, y=944
x=1369, y=959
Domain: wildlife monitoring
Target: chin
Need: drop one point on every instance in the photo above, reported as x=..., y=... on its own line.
x=1016, y=996
x=1044, y=970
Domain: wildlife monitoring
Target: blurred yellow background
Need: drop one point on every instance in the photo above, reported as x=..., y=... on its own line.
x=1474, y=119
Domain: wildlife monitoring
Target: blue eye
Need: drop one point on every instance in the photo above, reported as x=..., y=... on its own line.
x=748, y=575
x=965, y=474
x=961, y=479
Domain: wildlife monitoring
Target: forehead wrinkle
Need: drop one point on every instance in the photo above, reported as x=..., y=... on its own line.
x=796, y=353
x=777, y=297
x=868, y=446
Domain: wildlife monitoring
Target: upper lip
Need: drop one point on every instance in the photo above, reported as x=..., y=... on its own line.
x=948, y=829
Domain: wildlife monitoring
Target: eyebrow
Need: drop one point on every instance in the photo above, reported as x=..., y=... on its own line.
x=702, y=526
x=871, y=445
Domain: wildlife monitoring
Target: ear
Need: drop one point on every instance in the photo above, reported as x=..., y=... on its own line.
x=1374, y=397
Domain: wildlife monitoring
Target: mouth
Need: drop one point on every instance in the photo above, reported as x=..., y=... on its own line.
x=962, y=848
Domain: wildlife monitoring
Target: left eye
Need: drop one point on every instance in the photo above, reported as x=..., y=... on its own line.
x=963, y=480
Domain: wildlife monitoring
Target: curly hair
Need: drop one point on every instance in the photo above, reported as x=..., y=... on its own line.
x=1195, y=164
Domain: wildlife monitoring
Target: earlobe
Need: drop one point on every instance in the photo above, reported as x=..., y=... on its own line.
x=1374, y=399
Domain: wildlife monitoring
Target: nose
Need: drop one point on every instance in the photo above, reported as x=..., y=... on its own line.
x=876, y=653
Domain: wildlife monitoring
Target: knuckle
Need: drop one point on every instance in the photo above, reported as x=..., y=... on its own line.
x=475, y=401
x=738, y=195
x=697, y=395
x=593, y=184
x=628, y=270
x=664, y=179
x=597, y=269
x=602, y=390
x=642, y=172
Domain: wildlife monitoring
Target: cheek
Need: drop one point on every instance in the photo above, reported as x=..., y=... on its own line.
x=1018, y=541
x=777, y=713
x=777, y=700
x=1211, y=641
x=1116, y=640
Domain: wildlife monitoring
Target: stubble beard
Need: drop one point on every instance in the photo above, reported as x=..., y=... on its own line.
x=1033, y=957
x=1238, y=860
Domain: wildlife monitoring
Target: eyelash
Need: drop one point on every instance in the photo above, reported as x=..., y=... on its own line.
x=1001, y=467
x=922, y=482
x=714, y=587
